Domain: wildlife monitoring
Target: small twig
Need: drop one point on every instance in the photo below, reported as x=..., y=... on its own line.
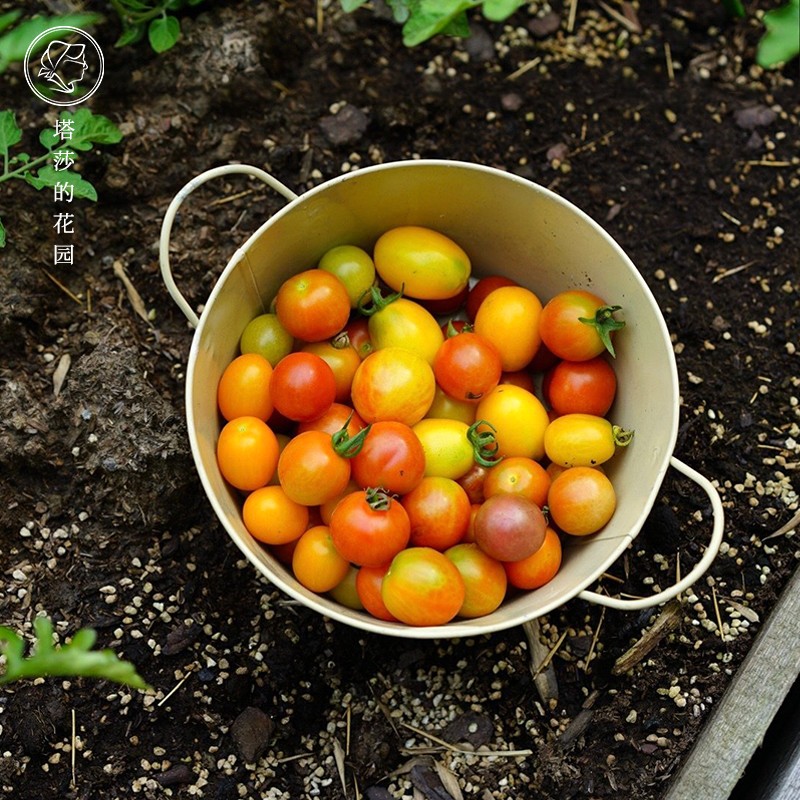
x=668, y=57
x=732, y=271
x=784, y=529
x=174, y=689
x=716, y=611
x=481, y=751
x=594, y=639
x=573, y=12
x=230, y=198
x=544, y=679
x=63, y=288
x=549, y=656
x=338, y=757
x=731, y=218
x=764, y=163
x=133, y=296
x=527, y=66
x=73, y=745
x=667, y=621
x=621, y=18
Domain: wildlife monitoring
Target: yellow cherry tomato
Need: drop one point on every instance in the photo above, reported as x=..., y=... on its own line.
x=448, y=450
x=403, y=323
x=421, y=263
x=583, y=440
x=446, y=407
x=518, y=418
x=509, y=319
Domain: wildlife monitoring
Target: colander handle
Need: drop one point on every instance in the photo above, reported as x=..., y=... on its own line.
x=177, y=201
x=699, y=569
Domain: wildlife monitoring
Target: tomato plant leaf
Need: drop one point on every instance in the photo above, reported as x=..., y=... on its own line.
x=781, y=42
x=8, y=19
x=131, y=35
x=163, y=32
x=86, y=129
x=49, y=176
x=498, y=10
x=351, y=5
x=2, y=234
x=75, y=658
x=10, y=132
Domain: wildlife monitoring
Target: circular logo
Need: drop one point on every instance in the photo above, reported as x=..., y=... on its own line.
x=69, y=69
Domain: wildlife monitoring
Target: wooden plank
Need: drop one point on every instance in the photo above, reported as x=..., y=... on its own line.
x=737, y=727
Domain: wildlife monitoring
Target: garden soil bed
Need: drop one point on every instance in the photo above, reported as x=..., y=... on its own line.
x=670, y=138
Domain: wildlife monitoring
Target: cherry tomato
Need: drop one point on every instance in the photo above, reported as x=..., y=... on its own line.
x=421, y=263
x=509, y=318
x=448, y=305
x=509, y=527
x=467, y=366
x=484, y=287
x=485, y=580
x=577, y=325
x=472, y=483
x=399, y=322
x=302, y=386
x=345, y=591
x=333, y=420
x=446, y=407
x=247, y=453
x=314, y=466
x=518, y=475
x=341, y=358
x=518, y=418
x=583, y=440
x=538, y=569
x=357, y=331
x=316, y=563
x=393, y=384
x=581, y=500
x=423, y=587
x=438, y=510
x=312, y=305
x=521, y=378
x=243, y=389
x=266, y=336
x=326, y=509
x=353, y=267
x=272, y=517
x=369, y=527
x=584, y=387
x=543, y=360
x=391, y=457
x=448, y=450
x=368, y=586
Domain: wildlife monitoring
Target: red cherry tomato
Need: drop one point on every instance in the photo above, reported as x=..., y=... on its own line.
x=581, y=387
x=577, y=325
x=391, y=458
x=302, y=386
x=313, y=305
x=357, y=331
x=369, y=527
x=467, y=366
x=368, y=586
x=333, y=420
x=438, y=510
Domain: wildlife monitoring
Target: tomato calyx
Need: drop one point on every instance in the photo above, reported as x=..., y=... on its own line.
x=344, y=444
x=341, y=341
x=378, y=499
x=484, y=443
x=373, y=301
x=451, y=330
x=622, y=437
x=605, y=323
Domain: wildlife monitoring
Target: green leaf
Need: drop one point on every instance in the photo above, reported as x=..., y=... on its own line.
x=10, y=132
x=351, y=5
x=735, y=8
x=76, y=658
x=50, y=176
x=432, y=17
x=14, y=44
x=87, y=129
x=2, y=244
x=7, y=20
x=163, y=32
x=131, y=35
x=498, y=10
x=781, y=42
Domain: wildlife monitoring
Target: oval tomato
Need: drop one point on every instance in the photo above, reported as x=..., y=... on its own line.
x=438, y=510
x=393, y=384
x=243, y=389
x=341, y=358
x=316, y=563
x=582, y=387
x=448, y=450
x=538, y=569
x=423, y=587
x=509, y=319
x=577, y=325
x=353, y=267
x=583, y=440
x=399, y=322
x=266, y=336
x=272, y=517
x=391, y=457
x=518, y=418
x=485, y=580
x=581, y=500
x=247, y=453
x=369, y=527
x=302, y=386
x=421, y=262
x=518, y=475
x=467, y=366
x=312, y=305
x=446, y=407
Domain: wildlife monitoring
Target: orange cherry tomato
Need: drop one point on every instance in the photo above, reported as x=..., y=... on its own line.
x=312, y=305
x=581, y=500
x=518, y=475
x=467, y=366
x=247, y=453
x=391, y=457
x=485, y=580
x=272, y=517
x=538, y=569
x=243, y=389
x=481, y=290
x=343, y=361
x=519, y=420
x=333, y=420
x=316, y=563
x=438, y=510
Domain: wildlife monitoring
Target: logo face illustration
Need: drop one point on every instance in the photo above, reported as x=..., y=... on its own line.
x=69, y=69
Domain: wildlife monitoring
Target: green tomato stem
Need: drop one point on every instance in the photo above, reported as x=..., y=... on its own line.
x=378, y=499
x=622, y=437
x=484, y=443
x=604, y=323
x=373, y=301
x=348, y=446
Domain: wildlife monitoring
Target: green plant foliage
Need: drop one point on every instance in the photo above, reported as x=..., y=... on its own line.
x=150, y=17
x=86, y=130
x=781, y=42
x=16, y=38
x=74, y=659
x=424, y=19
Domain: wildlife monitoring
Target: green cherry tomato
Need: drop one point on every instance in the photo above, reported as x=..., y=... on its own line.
x=265, y=336
x=353, y=267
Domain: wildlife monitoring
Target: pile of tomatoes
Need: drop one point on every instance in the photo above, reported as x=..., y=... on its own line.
x=383, y=425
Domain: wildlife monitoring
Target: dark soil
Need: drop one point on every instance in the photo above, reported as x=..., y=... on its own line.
x=103, y=521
